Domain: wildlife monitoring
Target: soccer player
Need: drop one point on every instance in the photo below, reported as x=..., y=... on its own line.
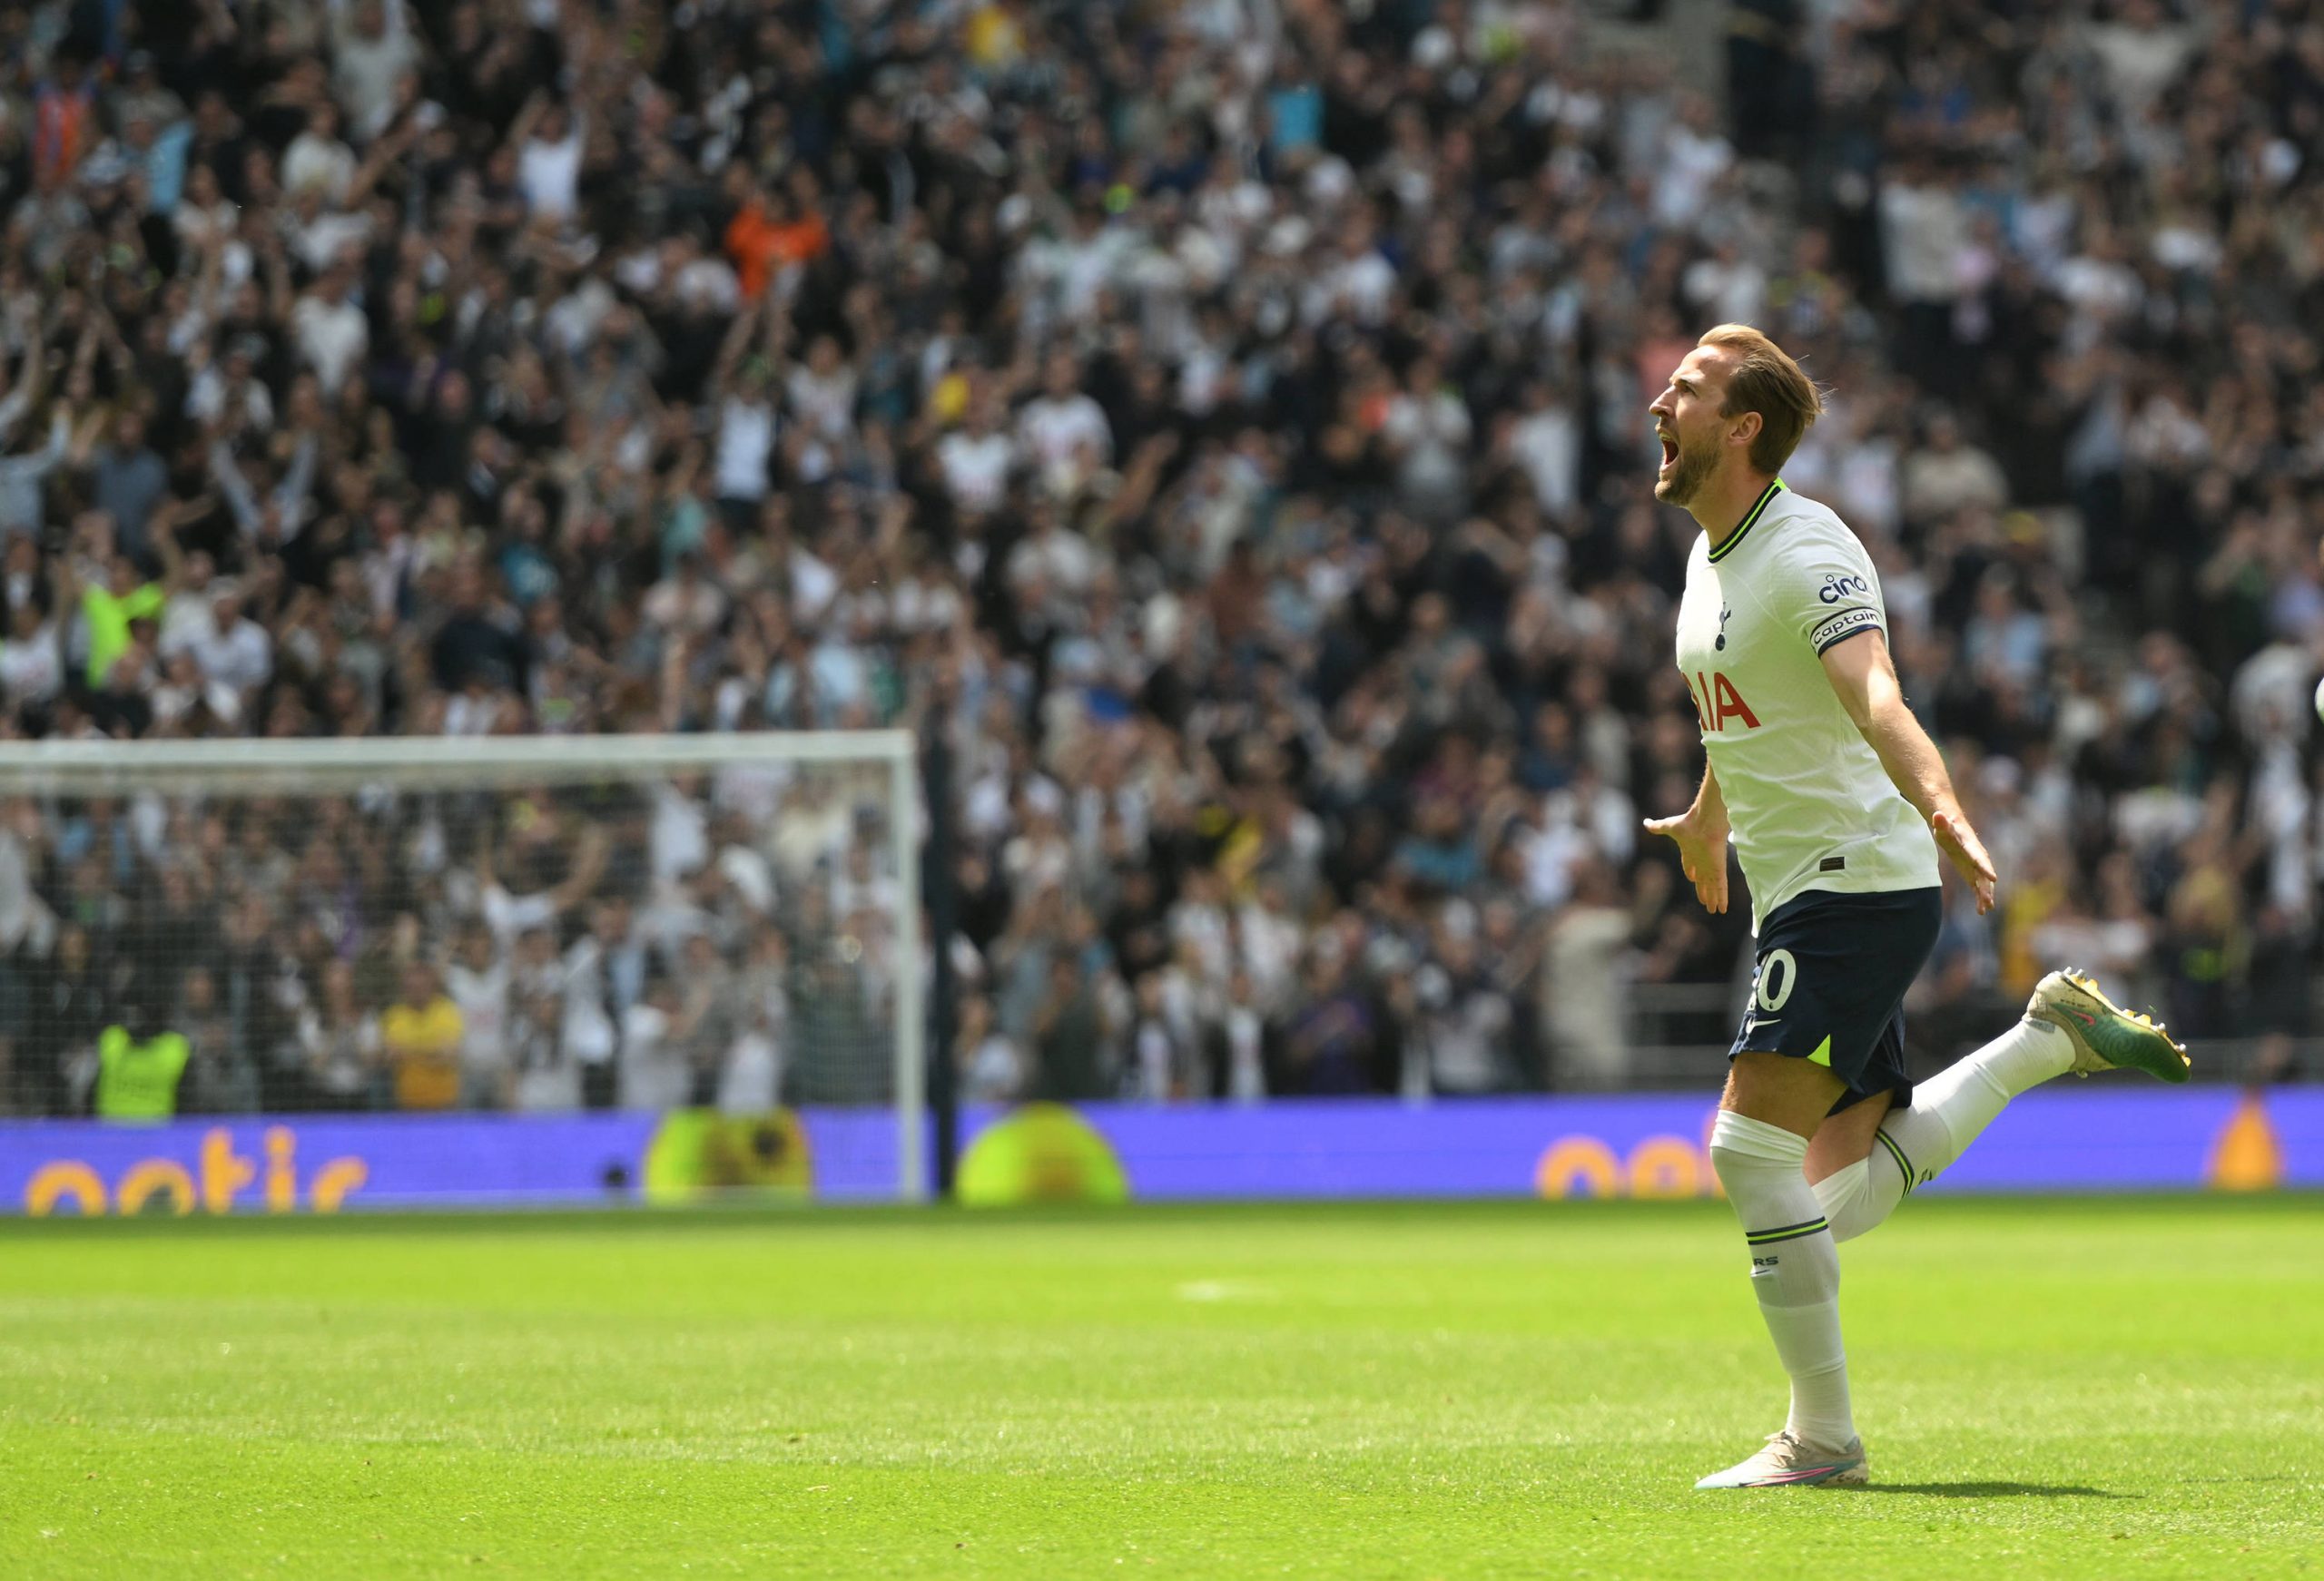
x=1839, y=807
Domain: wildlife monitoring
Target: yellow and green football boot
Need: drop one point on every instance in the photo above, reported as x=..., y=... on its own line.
x=2105, y=1036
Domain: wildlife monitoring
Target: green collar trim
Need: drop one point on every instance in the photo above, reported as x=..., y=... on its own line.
x=1759, y=509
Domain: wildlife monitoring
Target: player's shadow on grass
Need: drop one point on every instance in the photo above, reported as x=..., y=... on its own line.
x=1991, y=1490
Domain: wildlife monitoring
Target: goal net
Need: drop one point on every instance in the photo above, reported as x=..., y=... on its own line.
x=547, y=925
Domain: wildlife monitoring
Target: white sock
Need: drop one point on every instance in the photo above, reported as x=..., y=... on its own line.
x=1794, y=1270
x=1854, y=1202
x=1915, y=1146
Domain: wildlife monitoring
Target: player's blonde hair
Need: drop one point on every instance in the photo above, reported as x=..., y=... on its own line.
x=1766, y=380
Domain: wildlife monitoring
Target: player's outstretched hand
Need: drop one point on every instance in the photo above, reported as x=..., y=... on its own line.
x=1702, y=852
x=1962, y=847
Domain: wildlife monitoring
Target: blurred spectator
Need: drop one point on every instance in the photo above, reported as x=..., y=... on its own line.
x=991, y=1071
x=1068, y=1039
x=1584, y=987
x=344, y=1053
x=478, y=984
x=140, y=1063
x=420, y=1037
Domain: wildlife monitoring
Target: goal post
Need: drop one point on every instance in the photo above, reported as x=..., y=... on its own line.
x=622, y=921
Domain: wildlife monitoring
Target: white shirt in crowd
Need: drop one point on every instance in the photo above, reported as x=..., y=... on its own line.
x=1359, y=288
x=1692, y=161
x=332, y=337
x=324, y=163
x=242, y=656
x=1246, y=1081
x=1057, y=430
x=976, y=468
x=745, y=440
x=548, y=1080
x=823, y=403
x=32, y=670
x=653, y=1076
x=1547, y=444
x=483, y=1000
x=751, y=1082
x=364, y=71
x=589, y=1035
x=549, y=173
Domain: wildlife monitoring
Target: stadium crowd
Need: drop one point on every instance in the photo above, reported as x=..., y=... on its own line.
x=1224, y=418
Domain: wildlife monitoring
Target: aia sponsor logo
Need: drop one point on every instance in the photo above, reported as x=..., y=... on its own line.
x=1717, y=702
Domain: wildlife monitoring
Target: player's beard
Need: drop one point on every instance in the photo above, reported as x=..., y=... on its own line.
x=1687, y=476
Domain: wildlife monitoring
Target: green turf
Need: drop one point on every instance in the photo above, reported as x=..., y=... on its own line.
x=2092, y=1390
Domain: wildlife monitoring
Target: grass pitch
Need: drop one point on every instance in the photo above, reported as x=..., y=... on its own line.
x=2112, y=1388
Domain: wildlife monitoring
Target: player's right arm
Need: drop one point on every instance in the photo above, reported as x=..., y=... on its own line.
x=1702, y=832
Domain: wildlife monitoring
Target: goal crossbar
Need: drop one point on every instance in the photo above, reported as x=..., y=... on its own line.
x=84, y=767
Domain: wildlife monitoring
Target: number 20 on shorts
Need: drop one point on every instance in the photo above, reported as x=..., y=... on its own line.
x=1778, y=975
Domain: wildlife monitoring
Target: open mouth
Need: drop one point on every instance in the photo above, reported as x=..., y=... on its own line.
x=1669, y=450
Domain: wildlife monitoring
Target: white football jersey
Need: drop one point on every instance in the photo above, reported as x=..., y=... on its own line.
x=1809, y=803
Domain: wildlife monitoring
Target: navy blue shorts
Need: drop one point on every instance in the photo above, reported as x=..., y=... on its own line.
x=1829, y=984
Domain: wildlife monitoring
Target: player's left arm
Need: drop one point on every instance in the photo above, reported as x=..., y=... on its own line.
x=1860, y=671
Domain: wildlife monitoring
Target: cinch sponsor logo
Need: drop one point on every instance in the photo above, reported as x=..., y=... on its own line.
x=1717, y=702
x=1836, y=587
x=219, y=1176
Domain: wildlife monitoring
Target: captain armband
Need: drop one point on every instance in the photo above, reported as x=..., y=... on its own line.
x=1844, y=624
